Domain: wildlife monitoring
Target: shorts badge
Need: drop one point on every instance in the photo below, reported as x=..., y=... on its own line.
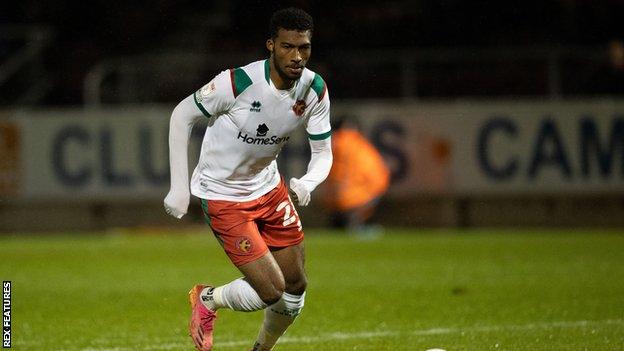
x=244, y=244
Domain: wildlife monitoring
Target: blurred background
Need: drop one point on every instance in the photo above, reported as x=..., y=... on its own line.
x=487, y=113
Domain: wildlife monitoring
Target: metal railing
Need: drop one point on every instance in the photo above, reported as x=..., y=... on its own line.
x=397, y=74
x=21, y=69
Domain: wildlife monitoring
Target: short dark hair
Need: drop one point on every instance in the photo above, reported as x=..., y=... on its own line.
x=291, y=18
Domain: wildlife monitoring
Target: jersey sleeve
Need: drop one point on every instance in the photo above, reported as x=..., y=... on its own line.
x=215, y=97
x=318, y=126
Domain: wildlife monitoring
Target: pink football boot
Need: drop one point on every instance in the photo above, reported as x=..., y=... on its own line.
x=202, y=320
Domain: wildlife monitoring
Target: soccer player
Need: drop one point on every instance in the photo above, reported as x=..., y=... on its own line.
x=251, y=112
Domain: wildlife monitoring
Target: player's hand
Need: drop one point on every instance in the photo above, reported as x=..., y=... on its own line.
x=298, y=192
x=176, y=203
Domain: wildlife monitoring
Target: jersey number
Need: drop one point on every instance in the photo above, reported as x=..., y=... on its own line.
x=289, y=217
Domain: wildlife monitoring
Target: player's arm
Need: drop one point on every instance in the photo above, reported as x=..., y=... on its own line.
x=318, y=169
x=208, y=102
x=319, y=134
x=184, y=116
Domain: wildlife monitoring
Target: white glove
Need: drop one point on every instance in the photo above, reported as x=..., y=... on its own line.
x=176, y=203
x=298, y=192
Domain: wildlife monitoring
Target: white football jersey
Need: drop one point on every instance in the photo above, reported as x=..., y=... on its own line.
x=249, y=121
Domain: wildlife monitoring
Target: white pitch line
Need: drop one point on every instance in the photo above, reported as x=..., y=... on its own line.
x=378, y=334
x=433, y=331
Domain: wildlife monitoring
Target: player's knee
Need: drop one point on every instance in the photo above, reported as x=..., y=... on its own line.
x=297, y=287
x=271, y=293
x=271, y=297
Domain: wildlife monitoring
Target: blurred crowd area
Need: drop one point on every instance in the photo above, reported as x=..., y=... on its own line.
x=91, y=52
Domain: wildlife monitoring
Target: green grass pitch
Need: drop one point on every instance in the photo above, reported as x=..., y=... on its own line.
x=409, y=290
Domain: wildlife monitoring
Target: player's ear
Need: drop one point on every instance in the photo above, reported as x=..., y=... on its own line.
x=270, y=44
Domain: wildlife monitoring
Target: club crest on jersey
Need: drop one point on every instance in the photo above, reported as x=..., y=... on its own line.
x=243, y=244
x=262, y=130
x=299, y=107
x=255, y=106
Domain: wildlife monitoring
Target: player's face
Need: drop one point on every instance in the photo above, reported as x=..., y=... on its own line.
x=290, y=52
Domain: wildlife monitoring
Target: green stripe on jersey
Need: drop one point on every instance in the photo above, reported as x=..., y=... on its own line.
x=241, y=81
x=199, y=105
x=267, y=71
x=319, y=136
x=318, y=85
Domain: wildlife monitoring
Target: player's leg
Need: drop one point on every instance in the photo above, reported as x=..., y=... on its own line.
x=360, y=220
x=280, y=315
x=282, y=231
x=263, y=282
x=291, y=261
x=262, y=285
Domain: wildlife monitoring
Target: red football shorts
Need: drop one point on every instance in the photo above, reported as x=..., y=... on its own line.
x=247, y=230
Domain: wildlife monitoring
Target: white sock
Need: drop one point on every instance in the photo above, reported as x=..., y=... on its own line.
x=277, y=318
x=237, y=295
